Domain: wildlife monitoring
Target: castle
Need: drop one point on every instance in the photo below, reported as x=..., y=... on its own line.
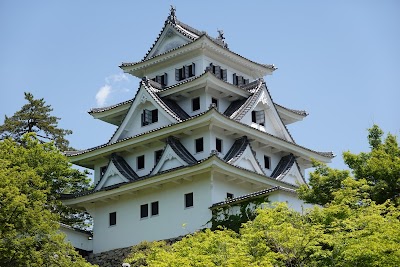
x=201, y=132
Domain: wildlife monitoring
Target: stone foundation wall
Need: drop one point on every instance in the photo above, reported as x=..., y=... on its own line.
x=115, y=257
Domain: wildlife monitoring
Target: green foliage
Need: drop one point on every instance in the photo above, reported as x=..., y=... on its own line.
x=34, y=117
x=380, y=168
x=223, y=217
x=55, y=171
x=350, y=231
x=28, y=230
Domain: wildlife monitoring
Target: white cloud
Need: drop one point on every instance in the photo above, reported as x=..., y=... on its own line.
x=102, y=95
x=117, y=78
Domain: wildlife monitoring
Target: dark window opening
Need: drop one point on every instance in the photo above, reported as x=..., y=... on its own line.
x=189, y=200
x=113, y=218
x=149, y=116
x=185, y=72
x=144, y=211
x=154, y=208
x=215, y=102
x=218, y=72
x=161, y=79
x=218, y=145
x=267, y=162
x=140, y=162
x=229, y=195
x=239, y=80
x=258, y=117
x=199, y=145
x=196, y=103
x=157, y=156
x=103, y=171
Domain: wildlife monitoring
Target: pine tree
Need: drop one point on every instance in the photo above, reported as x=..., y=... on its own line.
x=35, y=117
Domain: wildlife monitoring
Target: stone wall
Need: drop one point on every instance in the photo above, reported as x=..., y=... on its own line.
x=111, y=258
x=115, y=257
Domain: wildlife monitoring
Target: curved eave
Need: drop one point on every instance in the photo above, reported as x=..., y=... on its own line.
x=207, y=79
x=212, y=163
x=87, y=158
x=206, y=46
x=290, y=116
x=113, y=114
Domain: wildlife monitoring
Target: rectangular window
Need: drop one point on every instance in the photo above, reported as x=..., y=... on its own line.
x=258, y=117
x=196, y=103
x=113, y=218
x=215, y=102
x=239, y=80
x=103, y=170
x=267, y=162
x=218, y=71
x=144, y=211
x=199, y=145
x=185, y=72
x=218, y=145
x=161, y=79
x=229, y=195
x=149, y=116
x=154, y=208
x=157, y=156
x=189, y=200
x=140, y=162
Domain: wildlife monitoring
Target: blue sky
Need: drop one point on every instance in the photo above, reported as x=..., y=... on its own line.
x=339, y=60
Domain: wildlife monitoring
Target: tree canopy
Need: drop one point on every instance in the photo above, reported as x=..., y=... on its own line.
x=358, y=225
x=54, y=169
x=380, y=168
x=35, y=117
x=28, y=229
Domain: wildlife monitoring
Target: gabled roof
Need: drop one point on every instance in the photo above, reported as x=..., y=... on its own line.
x=202, y=118
x=179, y=172
x=283, y=166
x=192, y=36
x=180, y=150
x=123, y=167
x=237, y=149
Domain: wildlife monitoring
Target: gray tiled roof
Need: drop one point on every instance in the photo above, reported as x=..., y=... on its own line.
x=123, y=167
x=234, y=106
x=257, y=194
x=194, y=35
x=283, y=166
x=237, y=149
x=296, y=111
x=180, y=150
x=175, y=108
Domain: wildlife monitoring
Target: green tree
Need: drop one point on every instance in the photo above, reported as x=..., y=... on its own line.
x=35, y=117
x=28, y=230
x=54, y=168
x=380, y=168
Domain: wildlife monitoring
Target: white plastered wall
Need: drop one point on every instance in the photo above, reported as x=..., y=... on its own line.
x=173, y=219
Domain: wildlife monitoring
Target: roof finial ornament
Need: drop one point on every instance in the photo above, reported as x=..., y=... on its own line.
x=221, y=37
x=172, y=16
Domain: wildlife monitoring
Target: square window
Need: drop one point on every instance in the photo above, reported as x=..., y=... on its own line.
x=196, y=103
x=113, y=218
x=258, y=117
x=140, y=162
x=149, y=116
x=218, y=145
x=157, y=156
x=229, y=195
x=199, y=145
x=154, y=208
x=189, y=200
x=144, y=211
x=267, y=162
